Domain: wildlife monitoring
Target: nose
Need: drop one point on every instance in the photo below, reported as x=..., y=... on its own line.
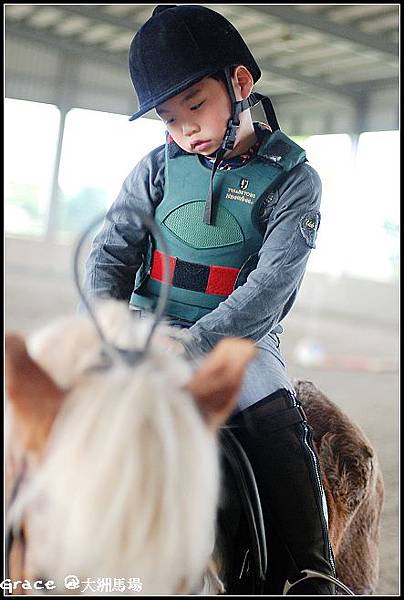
x=189, y=129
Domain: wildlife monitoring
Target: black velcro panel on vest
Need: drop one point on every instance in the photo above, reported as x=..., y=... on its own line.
x=190, y=276
x=280, y=148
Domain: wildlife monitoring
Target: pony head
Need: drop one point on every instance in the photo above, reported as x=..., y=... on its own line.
x=122, y=470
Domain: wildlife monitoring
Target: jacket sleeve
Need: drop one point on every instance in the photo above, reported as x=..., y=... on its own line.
x=255, y=308
x=118, y=249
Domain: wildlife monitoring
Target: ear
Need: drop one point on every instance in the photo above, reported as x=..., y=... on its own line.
x=243, y=81
x=216, y=384
x=34, y=396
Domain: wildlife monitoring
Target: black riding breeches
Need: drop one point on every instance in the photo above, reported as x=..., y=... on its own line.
x=286, y=470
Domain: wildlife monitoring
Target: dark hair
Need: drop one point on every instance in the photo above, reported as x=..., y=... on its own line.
x=220, y=76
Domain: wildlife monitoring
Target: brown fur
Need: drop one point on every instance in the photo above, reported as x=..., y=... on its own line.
x=353, y=485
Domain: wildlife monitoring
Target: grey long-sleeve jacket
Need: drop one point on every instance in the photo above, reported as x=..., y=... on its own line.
x=290, y=219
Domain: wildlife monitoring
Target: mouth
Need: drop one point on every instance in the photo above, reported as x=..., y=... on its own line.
x=200, y=145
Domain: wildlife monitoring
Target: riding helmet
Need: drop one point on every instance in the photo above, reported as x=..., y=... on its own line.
x=180, y=45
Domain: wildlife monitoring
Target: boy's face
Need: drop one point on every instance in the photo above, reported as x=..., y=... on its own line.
x=197, y=118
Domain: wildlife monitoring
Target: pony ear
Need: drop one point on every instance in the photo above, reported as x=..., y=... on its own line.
x=34, y=396
x=216, y=384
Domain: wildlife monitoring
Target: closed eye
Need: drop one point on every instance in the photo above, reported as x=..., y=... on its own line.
x=196, y=106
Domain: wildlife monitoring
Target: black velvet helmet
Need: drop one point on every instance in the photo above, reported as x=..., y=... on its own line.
x=180, y=45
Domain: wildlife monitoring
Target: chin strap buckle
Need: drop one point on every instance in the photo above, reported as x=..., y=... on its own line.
x=230, y=135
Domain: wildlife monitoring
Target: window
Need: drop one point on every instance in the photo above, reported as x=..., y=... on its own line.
x=30, y=142
x=375, y=207
x=99, y=151
x=359, y=231
x=331, y=156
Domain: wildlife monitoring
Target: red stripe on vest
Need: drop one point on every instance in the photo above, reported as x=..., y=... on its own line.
x=157, y=269
x=221, y=280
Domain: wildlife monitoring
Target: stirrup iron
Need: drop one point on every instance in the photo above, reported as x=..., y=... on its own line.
x=311, y=574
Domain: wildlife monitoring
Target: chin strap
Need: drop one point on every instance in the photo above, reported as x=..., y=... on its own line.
x=231, y=132
x=228, y=142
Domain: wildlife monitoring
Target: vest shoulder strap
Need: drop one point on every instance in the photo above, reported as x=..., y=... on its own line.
x=279, y=149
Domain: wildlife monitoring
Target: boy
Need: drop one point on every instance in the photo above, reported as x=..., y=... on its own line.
x=239, y=209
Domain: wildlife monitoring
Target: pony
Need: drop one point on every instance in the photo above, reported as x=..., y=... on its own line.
x=112, y=470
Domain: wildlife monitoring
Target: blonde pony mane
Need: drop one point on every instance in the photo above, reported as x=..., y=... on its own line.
x=129, y=483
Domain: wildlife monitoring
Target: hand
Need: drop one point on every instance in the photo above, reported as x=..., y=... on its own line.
x=171, y=345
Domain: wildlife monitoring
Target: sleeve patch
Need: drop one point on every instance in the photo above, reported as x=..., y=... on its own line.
x=309, y=225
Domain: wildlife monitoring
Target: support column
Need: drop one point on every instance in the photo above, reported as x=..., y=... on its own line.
x=54, y=203
x=65, y=83
x=361, y=118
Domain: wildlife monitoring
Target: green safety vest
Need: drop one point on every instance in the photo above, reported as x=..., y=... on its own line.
x=207, y=262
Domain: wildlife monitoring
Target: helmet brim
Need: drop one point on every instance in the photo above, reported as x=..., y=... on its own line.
x=168, y=94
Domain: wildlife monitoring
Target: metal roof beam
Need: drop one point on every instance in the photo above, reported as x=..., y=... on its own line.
x=69, y=45
x=317, y=83
x=317, y=86
x=358, y=89
x=288, y=14
x=130, y=23
x=97, y=52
